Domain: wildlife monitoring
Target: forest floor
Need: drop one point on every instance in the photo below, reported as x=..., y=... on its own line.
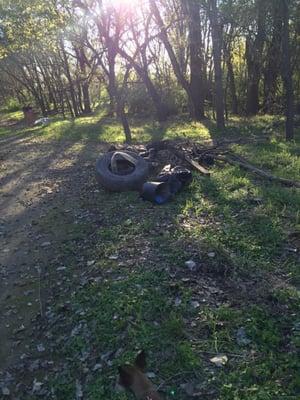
x=88, y=277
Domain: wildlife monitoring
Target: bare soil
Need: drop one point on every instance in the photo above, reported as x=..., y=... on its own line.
x=37, y=177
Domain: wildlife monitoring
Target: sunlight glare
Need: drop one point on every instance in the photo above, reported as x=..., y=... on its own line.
x=124, y=3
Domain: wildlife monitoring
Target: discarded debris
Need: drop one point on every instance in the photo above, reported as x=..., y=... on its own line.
x=166, y=185
x=45, y=244
x=219, y=360
x=195, y=304
x=42, y=121
x=177, y=301
x=191, y=265
x=36, y=387
x=40, y=347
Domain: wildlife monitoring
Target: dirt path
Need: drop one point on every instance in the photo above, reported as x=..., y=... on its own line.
x=38, y=178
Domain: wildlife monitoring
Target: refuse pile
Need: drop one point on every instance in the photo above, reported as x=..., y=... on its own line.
x=155, y=172
x=161, y=169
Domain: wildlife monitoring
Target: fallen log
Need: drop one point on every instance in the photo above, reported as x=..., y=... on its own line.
x=234, y=159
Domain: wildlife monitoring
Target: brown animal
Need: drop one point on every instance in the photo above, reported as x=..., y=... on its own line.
x=133, y=377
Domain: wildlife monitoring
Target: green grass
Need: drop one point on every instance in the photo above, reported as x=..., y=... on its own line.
x=251, y=280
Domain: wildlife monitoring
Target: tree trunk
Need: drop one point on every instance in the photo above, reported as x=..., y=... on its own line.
x=232, y=86
x=79, y=96
x=86, y=97
x=216, y=33
x=85, y=84
x=70, y=81
x=254, y=53
x=287, y=72
x=161, y=108
x=176, y=67
x=123, y=118
x=197, y=83
x=272, y=69
x=230, y=75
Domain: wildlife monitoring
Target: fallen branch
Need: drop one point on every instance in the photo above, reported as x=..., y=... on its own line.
x=234, y=159
x=189, y=160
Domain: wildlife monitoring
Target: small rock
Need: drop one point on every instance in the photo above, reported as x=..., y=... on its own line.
x=177, y=302
x=45, y=244
x=195, y=304
x=40, y=348
x=97, y=366
x=90, y=263
x=36, y=386
x=151, y=375
x=191, y=265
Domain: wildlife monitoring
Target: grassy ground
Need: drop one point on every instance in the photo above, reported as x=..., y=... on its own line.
x=241, y=301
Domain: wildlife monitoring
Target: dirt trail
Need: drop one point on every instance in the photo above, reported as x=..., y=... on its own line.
x=36, y=176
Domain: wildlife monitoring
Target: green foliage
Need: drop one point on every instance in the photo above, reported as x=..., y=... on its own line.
x=11, y=105
x=27, y=23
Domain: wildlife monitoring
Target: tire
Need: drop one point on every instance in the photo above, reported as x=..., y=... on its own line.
x=122, y=183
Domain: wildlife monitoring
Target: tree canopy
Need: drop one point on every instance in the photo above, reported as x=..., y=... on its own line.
x=152, y=57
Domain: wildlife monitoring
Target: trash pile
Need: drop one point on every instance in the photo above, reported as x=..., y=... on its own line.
x=165, y=186
x=182, y=155
x=161, y=169
x=157, y=174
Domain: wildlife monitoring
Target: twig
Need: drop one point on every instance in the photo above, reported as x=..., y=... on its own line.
x=189, y=160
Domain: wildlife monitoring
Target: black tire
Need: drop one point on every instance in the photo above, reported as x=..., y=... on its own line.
x=122, y=183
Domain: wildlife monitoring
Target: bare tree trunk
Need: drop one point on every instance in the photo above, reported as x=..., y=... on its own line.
x=70, y=81
x=176, y=67
x=254, y=60
x=232, y=86
x=197, y=83
x=216, y=33
x=161, y=108
x=230, y=75
x=85, y=84
x=123, y=118
x=272, y=69
x=287, y=72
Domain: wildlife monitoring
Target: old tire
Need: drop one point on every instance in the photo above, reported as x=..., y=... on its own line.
x=121, y=183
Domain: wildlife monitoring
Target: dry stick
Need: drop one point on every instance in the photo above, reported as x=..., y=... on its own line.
x=189, y=160
x=234, y=159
